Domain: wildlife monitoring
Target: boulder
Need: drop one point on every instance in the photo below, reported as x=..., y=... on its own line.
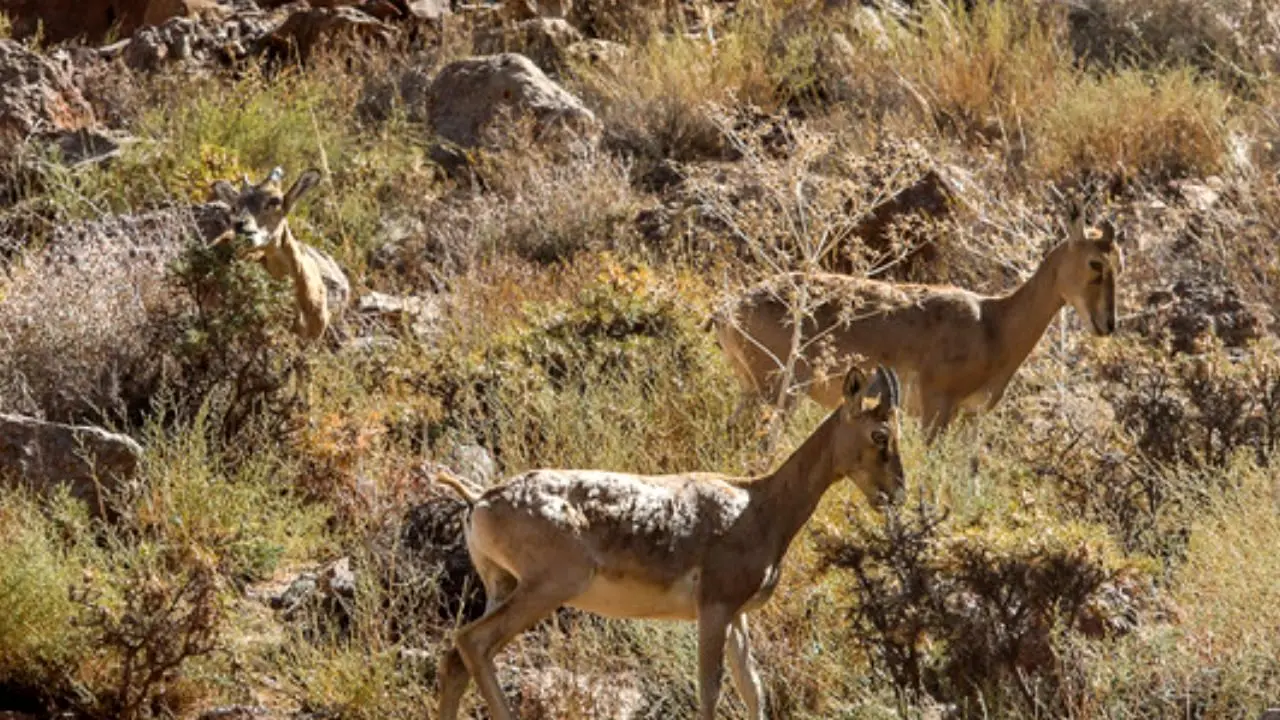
x=336, y=285
x=429, y=9
x=327, y=593
x=930, y=197
x=77, y=148
x=475, y=463
x=420, y=315
x=306, y=30
x=597, y=53
x=37, y=95
x=545, y=41
x=1196, y=308
x=89, y=461
x=468, y=95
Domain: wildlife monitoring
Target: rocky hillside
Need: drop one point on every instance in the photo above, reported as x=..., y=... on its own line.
x=217, y=452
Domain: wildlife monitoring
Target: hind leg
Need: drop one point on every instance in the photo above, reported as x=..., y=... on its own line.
x=453, y=679
x=533, y=599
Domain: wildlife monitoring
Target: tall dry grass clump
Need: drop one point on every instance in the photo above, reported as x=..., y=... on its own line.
x=1160, y=126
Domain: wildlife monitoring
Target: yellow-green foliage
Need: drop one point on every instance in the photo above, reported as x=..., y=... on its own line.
x=243, y=517
x=38, y=569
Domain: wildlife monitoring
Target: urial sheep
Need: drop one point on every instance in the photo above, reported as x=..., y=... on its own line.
x=954, y=348
x=261, y=222
x=696, y=546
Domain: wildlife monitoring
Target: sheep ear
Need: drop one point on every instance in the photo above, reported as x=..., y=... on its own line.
x=855, y=386
x=305, y=182
x=1075, y=218
x=1108, y=239
x=225, y=191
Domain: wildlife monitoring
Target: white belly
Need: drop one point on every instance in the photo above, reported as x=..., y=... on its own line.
x=629, y=598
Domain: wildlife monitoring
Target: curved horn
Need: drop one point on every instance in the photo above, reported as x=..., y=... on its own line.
x=883, y=387
x=891, y=393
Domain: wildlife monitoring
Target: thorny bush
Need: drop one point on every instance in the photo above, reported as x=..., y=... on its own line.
x=962, y=614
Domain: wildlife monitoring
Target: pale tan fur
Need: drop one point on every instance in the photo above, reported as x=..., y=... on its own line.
x=695, y=546
x=261, y=223
x=955, y=349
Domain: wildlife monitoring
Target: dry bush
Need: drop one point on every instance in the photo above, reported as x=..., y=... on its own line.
x=624, y=20
x=537, y=207
x=577, y=379
x=43, y=552
x=972, y=73
x=166, y=617
x=1147, y=449
x=667, y=98
x=81, y=320
x=1196, y=409
x=968, y=614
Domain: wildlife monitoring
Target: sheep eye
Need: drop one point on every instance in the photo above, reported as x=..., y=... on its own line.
x=880, y=437
x=1095, y=265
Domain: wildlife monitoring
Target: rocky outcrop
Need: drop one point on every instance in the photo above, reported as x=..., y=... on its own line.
x=306, y=31
x=194, y=43
x=89, y=461
x=37, y=95
x=545, y=41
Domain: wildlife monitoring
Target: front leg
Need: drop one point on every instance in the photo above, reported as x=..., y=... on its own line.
x=742, y=667
x=938, y=410
x=713, y=628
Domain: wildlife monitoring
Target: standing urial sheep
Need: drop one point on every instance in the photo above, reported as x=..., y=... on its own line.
x=954, y=348
x=260, y=214
x=694, y=546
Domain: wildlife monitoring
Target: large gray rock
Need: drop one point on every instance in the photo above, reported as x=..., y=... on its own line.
x=418, y=314
x=429, y=9
x=90, y=461
x=469, y=95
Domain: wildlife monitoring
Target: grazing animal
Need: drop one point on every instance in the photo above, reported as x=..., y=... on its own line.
x=954, y=348
x=694, y=546
x=260, y=215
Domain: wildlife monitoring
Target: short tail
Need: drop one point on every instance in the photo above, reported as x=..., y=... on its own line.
x=463, y=489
